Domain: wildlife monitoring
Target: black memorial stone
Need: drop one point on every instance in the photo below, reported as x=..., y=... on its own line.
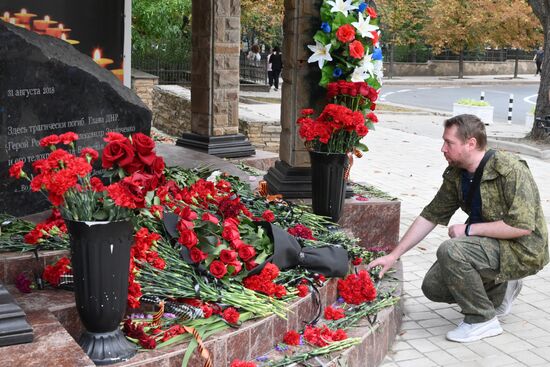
x=48, y=87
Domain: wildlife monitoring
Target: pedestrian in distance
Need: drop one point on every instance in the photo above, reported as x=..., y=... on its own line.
x=504, y=239
x=276, y=61
x=254, y=55
x=269, y=70
x=539, y=56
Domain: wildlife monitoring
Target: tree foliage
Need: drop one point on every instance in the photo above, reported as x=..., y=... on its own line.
x=262, y=21
x=402, y=20
x=161, y=26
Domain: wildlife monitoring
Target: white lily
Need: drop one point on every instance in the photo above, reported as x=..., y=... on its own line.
x=320, y=53
x=365, y=69
x=364, y=27
x=342, y=6
x=379, y=70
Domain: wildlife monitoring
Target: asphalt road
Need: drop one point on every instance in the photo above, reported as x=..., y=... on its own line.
x=442, y=98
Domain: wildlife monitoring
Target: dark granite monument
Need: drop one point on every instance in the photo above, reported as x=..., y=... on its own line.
x=48, y=87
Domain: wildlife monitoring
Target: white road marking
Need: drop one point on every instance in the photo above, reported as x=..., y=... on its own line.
x=403, y=90
x=528, y=99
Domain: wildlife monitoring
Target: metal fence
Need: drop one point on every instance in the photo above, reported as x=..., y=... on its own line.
x=424, y=54
x=179, y=72
x=168, y=70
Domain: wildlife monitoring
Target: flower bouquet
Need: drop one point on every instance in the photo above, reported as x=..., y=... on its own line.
x=348, y=53
x=97, y=217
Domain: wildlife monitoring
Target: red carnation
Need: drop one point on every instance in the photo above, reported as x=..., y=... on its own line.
x=334, y=313
x=16, y=170
x=231, y=315
x=49, y=141
x=303, y=290
x=357, y=261
x=307, y=112
x=291, y=338
x=345, y=33
x=356, y=50
x=239, y=363
x=218, y=269
x=89, y=154
x=372, y=12
x=68, y=138
x=268, y=216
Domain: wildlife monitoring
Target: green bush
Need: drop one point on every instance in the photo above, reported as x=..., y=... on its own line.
x=472, y=102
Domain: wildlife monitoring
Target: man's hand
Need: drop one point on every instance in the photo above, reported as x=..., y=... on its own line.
x=385, y=261
x=457, y=230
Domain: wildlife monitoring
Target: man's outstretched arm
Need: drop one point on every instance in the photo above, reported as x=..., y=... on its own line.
x=416, y=233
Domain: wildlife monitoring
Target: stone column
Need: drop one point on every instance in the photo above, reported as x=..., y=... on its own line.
x=215, y=80
x=291, y=174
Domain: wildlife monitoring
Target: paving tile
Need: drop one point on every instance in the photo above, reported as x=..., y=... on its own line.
x=401, y=345
x=511, y=348
x=419, y=362
x=483, y=349
x=462, y=353
x=409, y=325
x=435, y=322
x=441, y=357
x=406, y=354
x=423, y=345
x=529, y=358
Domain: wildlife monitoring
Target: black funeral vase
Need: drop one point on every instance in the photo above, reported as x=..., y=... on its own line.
x=100, y=259
x=328, y=183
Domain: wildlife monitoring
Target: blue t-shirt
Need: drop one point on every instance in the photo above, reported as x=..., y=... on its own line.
x=475, y=212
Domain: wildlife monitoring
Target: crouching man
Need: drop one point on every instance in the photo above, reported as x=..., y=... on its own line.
x=504, y=239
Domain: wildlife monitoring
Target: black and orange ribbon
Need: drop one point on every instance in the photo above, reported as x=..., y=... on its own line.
x=264, y=191
x=358, y=154
x=188, y=329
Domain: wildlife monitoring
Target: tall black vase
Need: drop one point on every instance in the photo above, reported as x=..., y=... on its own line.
x=328, y=183
x=100, y=256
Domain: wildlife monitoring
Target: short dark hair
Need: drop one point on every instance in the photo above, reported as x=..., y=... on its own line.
x=469, y=126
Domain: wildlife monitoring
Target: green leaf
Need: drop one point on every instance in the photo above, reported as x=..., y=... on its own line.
x=326, y=75
x=362, y=147
x=322, y=37
x=101, y=214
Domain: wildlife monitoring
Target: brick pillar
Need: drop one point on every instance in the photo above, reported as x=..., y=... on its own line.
x=291, y=175
x=215, y=80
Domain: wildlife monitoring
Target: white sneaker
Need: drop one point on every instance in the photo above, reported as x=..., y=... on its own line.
x=512, y=292
x=465, y=332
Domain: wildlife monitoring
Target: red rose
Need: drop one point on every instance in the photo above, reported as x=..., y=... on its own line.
x=246, y=253
x=188, y=238
x=197, y=255
x=345, y=33
x=158, y=165
x=218, y=269
x=135, y=166
x=291, y=338
x=237, y=267
x=356, y=50
x=114, y=136
x=251, y=264
x=231, y=315
x=142, y=143
x=228, y=256
x=16, y=170
x=119, y=152
x=207, y=217
x=268, y=216
x=231, y=233
x=68, y=137
x=357, y=261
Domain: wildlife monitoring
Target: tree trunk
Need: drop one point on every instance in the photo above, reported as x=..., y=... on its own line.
x=543, y=100
x=542, y=11
x=391, y=61
x=516, y=63
x=461, y=64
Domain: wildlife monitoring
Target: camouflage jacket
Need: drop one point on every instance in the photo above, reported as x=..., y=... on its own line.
x=508, y=193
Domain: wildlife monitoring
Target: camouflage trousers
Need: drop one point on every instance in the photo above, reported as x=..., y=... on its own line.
x=465, y=273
